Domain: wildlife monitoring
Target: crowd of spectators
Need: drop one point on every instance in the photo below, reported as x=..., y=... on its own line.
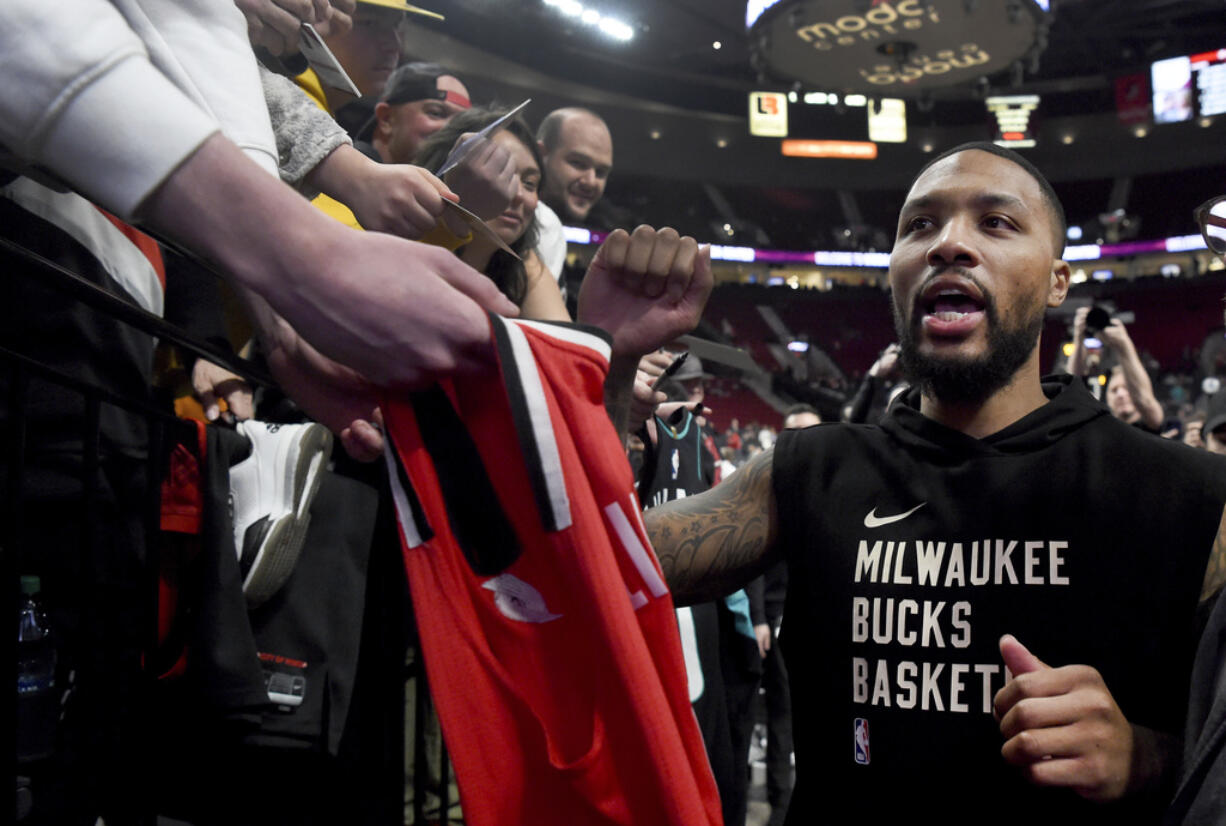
x=1177, y=398
x=171, y=117
x=373, y=223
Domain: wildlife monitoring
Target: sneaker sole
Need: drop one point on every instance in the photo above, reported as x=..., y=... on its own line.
x=283, y=543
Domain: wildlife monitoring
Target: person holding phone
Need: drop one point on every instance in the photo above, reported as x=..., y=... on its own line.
x=1130, y=393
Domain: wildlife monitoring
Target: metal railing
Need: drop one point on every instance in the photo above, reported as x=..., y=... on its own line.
x=164, y=432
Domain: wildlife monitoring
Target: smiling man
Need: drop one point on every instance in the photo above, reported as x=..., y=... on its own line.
x=578, y=153
x=992, y=514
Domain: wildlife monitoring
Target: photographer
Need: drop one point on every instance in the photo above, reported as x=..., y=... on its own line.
x=883, y=374
x=1130, y=394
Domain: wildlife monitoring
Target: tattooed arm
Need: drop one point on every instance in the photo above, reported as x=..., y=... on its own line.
x=711, y=544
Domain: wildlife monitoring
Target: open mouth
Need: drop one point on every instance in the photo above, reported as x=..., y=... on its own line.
x=951, y=307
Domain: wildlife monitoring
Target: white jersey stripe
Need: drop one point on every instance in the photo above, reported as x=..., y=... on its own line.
x=404, y=513
x=542, y=424
x=571, y=334
x=639, y=555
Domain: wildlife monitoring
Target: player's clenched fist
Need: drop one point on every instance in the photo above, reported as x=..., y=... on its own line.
x=646, y=288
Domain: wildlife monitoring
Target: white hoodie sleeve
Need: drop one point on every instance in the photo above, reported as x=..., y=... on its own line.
x=113, y=96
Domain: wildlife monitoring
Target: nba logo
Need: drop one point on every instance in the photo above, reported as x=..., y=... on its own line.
x=861, y=740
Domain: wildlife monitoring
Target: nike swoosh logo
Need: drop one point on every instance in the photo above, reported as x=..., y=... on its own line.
x=872, y=520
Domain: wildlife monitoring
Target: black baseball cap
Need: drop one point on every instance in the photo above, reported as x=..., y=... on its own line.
x=410, y=82
x=419, y=81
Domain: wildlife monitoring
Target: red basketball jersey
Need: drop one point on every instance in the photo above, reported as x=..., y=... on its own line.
x=548, y=631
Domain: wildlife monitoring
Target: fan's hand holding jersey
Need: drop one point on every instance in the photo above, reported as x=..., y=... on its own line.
x=548, y=632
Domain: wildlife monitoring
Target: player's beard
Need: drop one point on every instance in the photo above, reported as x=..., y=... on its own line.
x=970, y=380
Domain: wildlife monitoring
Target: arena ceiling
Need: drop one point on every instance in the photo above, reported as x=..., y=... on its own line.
x=678, y=106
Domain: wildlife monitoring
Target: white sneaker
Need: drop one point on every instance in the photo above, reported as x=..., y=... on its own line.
x=271, y=493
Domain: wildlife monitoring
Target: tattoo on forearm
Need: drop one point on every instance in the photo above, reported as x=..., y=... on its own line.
x=713, y=543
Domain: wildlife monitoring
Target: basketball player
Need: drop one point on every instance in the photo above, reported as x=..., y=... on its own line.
x=992, y=514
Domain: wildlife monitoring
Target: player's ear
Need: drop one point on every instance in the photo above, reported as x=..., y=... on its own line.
x=1057, y=289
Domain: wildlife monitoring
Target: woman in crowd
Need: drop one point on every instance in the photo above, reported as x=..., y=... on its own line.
x=527, y=282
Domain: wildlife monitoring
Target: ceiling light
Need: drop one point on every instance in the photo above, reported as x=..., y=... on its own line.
x=571, y=8
x=611, y=26
x=717, y=45
x=655, y=134
x=722, y=143
x=1140, y=131
x=1066, y=139
x=792, y=98
x=616, y=29
x=856, y=100
x=927, y=146
x=1206, y=122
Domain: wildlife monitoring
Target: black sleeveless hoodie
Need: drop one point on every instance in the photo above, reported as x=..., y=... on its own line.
x=913, y=547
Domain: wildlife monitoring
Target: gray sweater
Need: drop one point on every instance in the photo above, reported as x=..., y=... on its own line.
x=305, y=133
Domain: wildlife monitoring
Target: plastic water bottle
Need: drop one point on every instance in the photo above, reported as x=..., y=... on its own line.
x=37, y=703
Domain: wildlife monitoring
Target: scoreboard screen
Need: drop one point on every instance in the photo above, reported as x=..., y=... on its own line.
x=1187, y=87
x=1209, y=70
x=1013, y=119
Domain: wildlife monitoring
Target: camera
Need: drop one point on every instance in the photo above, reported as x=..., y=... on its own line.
x=1097, y=319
